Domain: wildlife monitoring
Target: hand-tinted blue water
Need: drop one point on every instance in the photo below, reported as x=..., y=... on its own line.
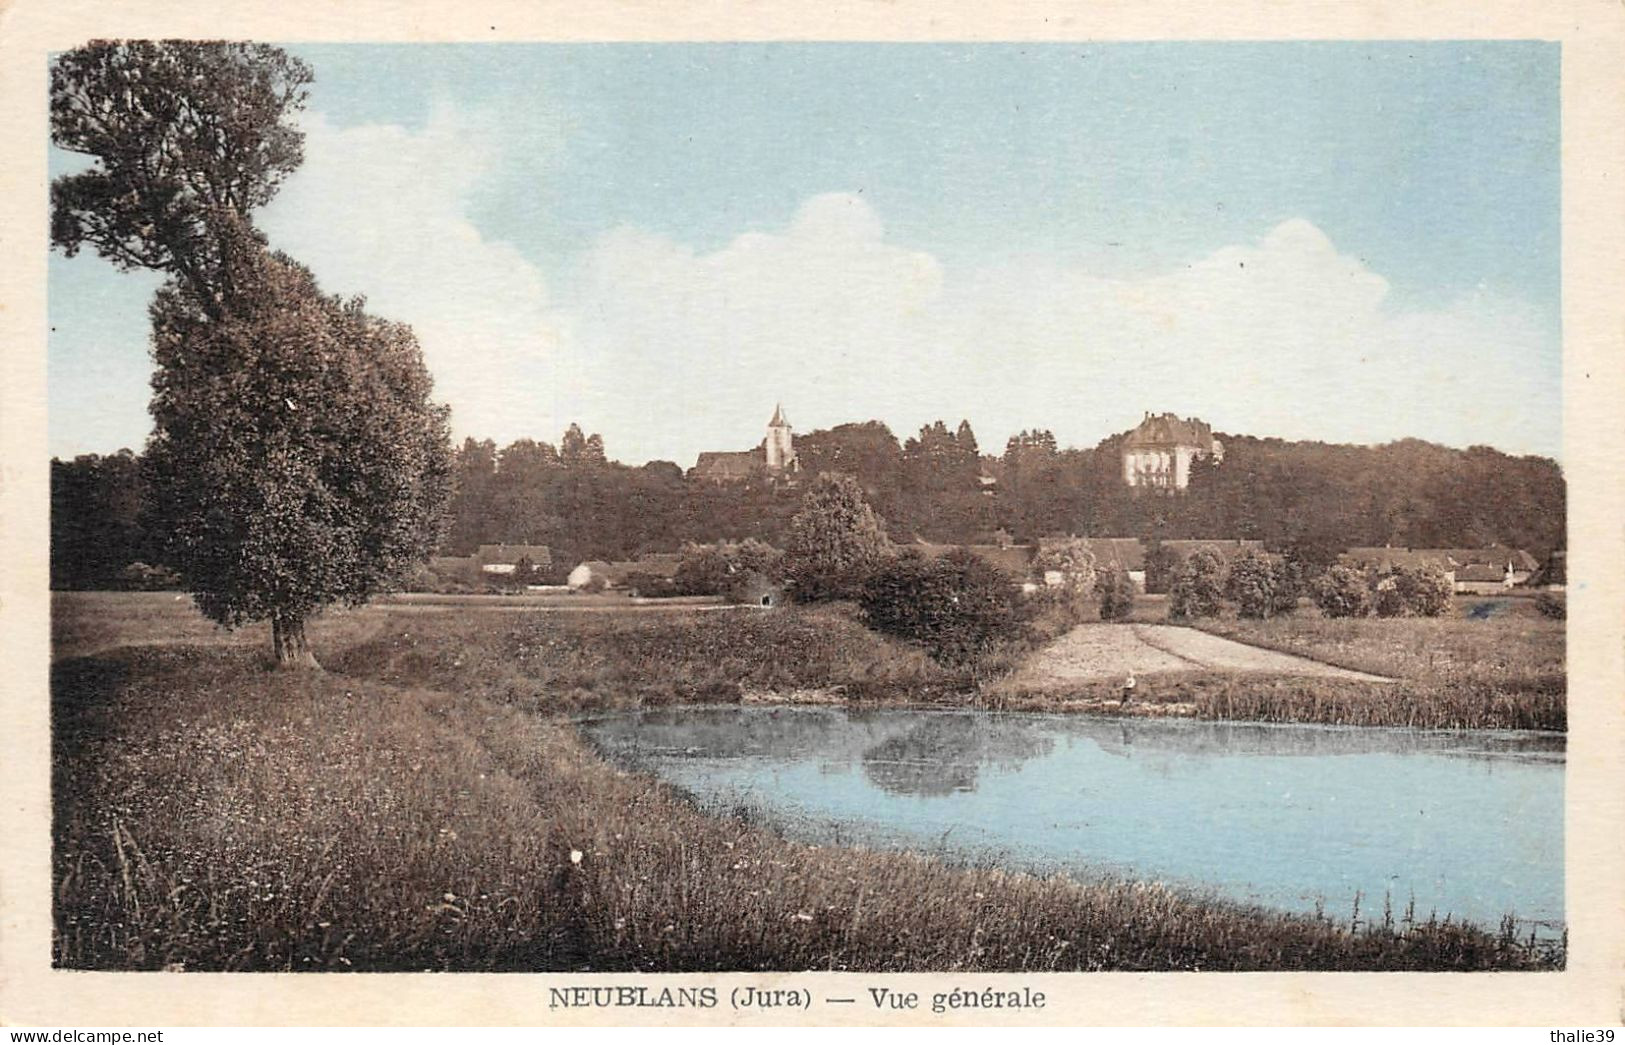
x=1468, y=824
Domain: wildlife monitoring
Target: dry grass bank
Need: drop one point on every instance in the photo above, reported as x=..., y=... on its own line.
x=211, y=815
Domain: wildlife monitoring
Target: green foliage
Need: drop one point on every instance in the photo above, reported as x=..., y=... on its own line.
x=296, y=455
x=1400, y=591
x=97, y=528
x=1262, y=585
x=296, y=458
x=1160, y=565
x=1115, y=591
x=1341, y=591
x=835, y=541
x=1198, y=586
x=1072, y=560
x=186, y=138
x=139, y=576
x=958, y=607
x=739, y=571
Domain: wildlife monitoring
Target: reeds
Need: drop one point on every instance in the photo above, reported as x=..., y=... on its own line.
x=211, y=815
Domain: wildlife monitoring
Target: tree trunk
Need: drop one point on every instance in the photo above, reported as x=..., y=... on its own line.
x=289, y=645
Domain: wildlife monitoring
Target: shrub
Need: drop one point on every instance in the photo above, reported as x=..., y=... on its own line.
x=1550, y=605
x=649, y=585
x=1402, y=592
x=1115, y=591
x=1342, y=592
x=1197, y=586
x=1068, y=569
x=957, y=607
x=1262, y=585
x=1430, y=592
x=138, y=576
x=1160, y=564
x=738, y=571
x=1251, y=585
x=835, y=542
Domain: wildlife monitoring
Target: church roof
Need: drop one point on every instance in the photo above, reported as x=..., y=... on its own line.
x=778, y=418
x=538, y=554
x=729, y=465
x=1170, y=430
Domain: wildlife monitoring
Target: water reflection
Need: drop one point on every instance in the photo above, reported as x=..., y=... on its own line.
x=1288, y=815
x=940, y=754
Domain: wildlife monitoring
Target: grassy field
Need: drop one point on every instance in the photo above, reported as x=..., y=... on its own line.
x=424, y=804
x=1490, y=663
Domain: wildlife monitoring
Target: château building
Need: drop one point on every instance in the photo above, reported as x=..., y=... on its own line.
x=1159, y=452
x=774, y=457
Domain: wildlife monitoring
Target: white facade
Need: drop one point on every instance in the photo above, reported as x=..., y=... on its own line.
x=1166, y=468
x=781, y=454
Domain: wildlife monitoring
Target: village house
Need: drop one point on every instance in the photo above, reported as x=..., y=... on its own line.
x=773, y=458
x=1553, y=576
x=611, y=576
x=1470, y=570
x=1019, y=561
x=1159, y=452
x=500, y=560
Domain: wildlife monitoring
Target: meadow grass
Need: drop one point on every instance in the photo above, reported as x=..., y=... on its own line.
x=1487, y=664
x=405, y=811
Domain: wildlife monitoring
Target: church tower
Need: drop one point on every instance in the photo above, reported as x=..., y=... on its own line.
x=781, y=455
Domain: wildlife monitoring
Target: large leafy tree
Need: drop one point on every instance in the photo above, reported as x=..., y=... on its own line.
x=187, y=138
x=297, y=459
x=835, y=541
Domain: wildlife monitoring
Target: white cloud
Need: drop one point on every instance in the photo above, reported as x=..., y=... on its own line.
x=1285, y=336
x=668, y=351
x=383, y=211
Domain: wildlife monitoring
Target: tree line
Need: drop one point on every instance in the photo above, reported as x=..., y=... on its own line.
x=1312, y=500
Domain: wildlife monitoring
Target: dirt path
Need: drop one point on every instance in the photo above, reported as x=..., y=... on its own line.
x=1101, y=651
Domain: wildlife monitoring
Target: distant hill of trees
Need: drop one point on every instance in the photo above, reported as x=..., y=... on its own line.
x=1310, y=499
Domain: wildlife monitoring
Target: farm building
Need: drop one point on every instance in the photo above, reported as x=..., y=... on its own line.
x=598, y=573
x=504, y=559
x=1553, y=576
x=1469, y=569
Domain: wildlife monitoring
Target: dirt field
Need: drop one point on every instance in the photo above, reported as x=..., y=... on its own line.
x=1103, y=651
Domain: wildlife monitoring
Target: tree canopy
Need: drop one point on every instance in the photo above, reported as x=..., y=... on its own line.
x=185, y=137
x=296, y=457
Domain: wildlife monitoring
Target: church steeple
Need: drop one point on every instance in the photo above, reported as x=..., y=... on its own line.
x=781, y=454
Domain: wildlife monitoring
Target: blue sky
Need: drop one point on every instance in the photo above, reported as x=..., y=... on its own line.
x=661, y=241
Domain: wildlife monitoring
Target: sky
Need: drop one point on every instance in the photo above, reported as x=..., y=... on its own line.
x=1336, y=241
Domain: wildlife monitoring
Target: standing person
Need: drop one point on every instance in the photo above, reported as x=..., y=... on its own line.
x=1128, y=691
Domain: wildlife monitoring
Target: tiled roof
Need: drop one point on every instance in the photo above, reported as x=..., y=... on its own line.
x=1126, y=552
x=729, y=465
x=538, y=554
x=1444, y=558
x=661, y=564
x=1014, y=559
x=1481, y=572
x=1170, y=430
x=1554, y=572
x=1224, y=548
x=1494, y=555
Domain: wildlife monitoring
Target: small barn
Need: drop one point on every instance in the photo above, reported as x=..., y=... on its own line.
x=1483, y=579
x=1553, y=576
x=602, y=574
x=502, y=560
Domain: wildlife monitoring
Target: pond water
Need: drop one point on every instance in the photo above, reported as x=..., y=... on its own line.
x=1289, y=816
